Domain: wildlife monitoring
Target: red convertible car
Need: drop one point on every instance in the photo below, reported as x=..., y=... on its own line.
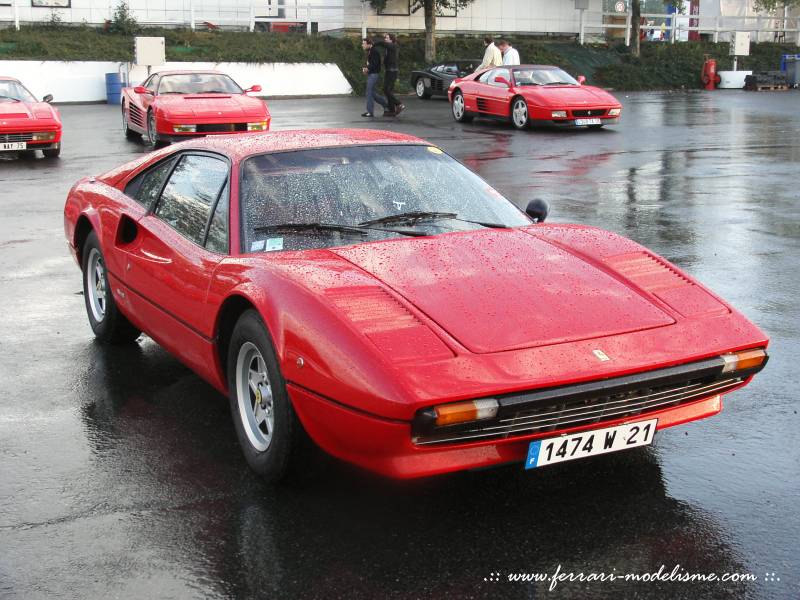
x=26, y=124
x=175, y=105
x=320, y=281
x=532, y=95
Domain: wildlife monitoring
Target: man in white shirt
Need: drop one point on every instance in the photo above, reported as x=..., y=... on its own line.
x=510, y=55
x=492, y=57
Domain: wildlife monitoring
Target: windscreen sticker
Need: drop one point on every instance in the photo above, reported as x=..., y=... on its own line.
x=257, y=246
x=274, y=244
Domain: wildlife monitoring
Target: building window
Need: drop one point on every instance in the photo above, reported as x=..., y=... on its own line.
x=396, y=8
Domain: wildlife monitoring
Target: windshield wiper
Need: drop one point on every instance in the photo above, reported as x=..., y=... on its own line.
x=420, y=215
x=357, y=230
x=310, y=227
x=559, y=83
x=11, y=98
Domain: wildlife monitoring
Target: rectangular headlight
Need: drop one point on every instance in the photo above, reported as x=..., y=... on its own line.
x=559, y=114
x=258, y=126
x=463, y=412
x=614, y=112
x=184, y=128
x=44, y=136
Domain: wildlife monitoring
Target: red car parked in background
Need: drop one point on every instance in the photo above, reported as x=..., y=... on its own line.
x=25, y=123
x=532, y=95
x=175, y=105
x=367, y=288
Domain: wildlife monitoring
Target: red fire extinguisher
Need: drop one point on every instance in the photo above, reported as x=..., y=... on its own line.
x=709, y=75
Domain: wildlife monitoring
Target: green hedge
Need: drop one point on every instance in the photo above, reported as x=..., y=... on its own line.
x=661, y=66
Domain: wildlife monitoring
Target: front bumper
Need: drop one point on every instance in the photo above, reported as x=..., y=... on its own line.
x=26, y=135
x=385, y=446
x=166, y=129
x=567, y=123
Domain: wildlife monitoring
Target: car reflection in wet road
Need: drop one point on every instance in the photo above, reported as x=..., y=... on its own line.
x=120, y=474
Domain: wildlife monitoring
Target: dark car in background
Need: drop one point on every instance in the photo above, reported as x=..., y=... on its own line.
x=435, y=80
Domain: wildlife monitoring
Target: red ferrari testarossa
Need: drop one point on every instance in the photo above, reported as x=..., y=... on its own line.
x=26, y=124
x=532, y=95
x=174, y=105
x=368, y=289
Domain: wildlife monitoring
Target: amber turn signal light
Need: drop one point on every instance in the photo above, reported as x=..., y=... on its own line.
x=463, y=412
x=744, y=359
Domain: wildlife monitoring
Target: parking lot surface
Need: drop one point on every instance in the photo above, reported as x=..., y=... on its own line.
x=120, y=474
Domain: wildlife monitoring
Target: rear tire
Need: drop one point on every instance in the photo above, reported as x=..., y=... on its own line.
x=129, y=133
x=109, y=325
x=268, y=430
x=459, y=109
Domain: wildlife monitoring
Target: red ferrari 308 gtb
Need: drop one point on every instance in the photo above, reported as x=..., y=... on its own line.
x=322, y=282
x=532, y=95
x=175, y=105
x=25, y=123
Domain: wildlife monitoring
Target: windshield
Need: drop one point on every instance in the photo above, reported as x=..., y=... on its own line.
x=13, y=91
x=553, y=76
x=198, y=83
x=360, y=194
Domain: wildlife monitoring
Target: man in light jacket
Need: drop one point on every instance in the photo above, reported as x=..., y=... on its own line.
x=492, y=56
x=510, y=54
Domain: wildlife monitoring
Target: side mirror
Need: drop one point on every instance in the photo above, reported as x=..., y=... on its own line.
x=581, y=79
x=140, y=89
x=254, y=88
x=48, y=98
x=538, y=210
x=501, y=79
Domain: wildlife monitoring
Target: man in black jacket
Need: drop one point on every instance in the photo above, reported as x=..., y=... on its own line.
x=391, y=63
x=373, y=72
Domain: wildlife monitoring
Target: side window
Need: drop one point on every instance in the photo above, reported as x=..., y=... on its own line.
x=145, y=187
x=190, y=194
x=437, y=69
x=451, y=69
x=485, y=77
x=217, y=239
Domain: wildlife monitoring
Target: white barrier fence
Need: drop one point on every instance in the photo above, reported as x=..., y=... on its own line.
x=84, y=81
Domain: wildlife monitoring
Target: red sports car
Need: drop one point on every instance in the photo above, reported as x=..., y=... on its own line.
x=326, y=285
x=175, y=105
x=25, y=123
x=532, y=95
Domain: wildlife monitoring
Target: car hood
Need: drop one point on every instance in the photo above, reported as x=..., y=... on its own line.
x=212, y=105
x=25, y=110
x=499, y=290
x=568, y=95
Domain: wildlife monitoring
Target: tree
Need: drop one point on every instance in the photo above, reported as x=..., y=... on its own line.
x=770, y=5
x=636, y=23
x=430, y=8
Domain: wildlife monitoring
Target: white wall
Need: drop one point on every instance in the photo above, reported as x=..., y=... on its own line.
x=85, y=81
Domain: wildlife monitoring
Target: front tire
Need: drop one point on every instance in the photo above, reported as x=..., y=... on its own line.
x=459, y=109
x=519, y=113
x=52, y=152
x=265, y=422
x=152, y=132
x=423, y=92
x=109, y=325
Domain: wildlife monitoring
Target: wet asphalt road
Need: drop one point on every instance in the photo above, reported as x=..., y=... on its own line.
x=120, y=475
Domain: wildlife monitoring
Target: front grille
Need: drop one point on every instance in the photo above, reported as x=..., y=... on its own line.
x=596, y=112
x=221, y=127
x=6, y=138
x=596, y=402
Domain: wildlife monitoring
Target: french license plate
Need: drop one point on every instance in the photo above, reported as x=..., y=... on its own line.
x=14, y=146
x=587, y=121
x=590, y=443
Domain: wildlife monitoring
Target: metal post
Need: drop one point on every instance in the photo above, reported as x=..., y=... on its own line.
x=627, y=29
x=582, y=26
x=16, y=14
x=308, y=19
x=363, y=19
x=191, y=15
x=716, y=30
x=252, y=18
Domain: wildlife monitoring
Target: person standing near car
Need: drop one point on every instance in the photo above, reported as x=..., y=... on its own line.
x=492, y=56
x=373, y=71
x=391, y=65
x=510, y=54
